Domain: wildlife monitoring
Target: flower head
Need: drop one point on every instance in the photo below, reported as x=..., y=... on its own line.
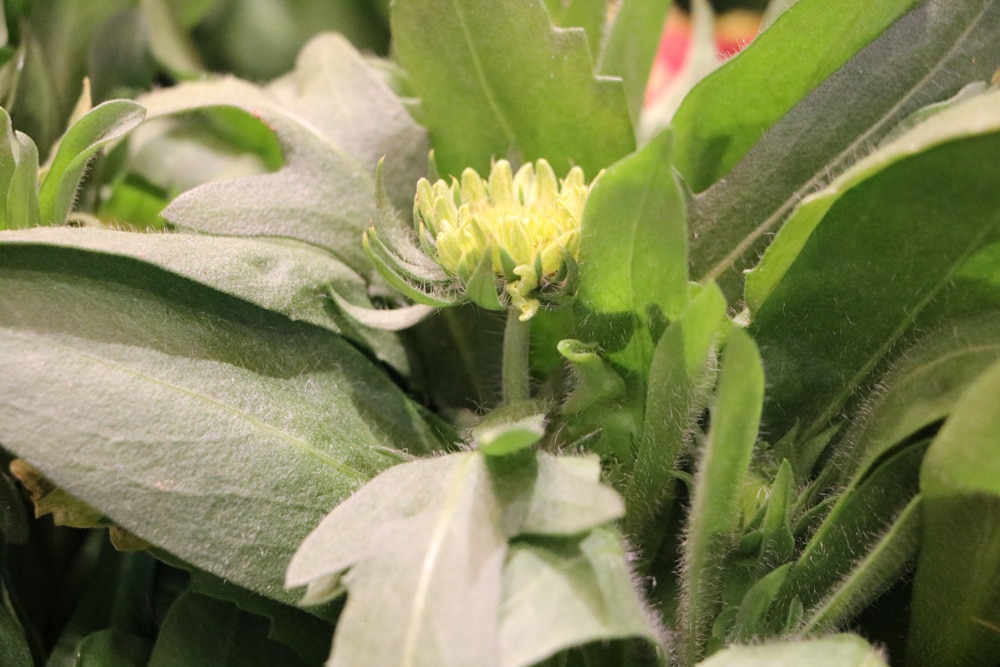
x=510, y=240
x=524, y=228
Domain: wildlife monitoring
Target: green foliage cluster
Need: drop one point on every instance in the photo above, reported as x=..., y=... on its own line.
x=764, y=431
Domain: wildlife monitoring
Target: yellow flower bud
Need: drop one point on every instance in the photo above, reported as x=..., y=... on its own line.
x=525, y=225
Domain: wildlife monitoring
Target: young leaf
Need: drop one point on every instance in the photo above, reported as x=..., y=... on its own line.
x=22, y=197
x=822, y=334
x=220, y=438
x=924, y=57
x=497, y=79
x=560, y=594
x=679, y=381
x=885, y=562
x=100, y=126
x=632, y=229
x=852, y=537
x=721, y=470
x=334, y=118
x=956, y=592
x=281, y=275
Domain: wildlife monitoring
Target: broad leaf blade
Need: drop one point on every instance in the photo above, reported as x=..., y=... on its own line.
x=725, y=115
x=820, y=334
x=633, y=229
x=222, y=439
x=925, y=57
x=324, y=193
x=425, y=554
x=498, y=79
x=956, y=591
x=281, y=275
x=562, y=594
x=924, y=385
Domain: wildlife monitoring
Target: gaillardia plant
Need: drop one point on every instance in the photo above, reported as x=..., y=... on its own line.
x=709, y=382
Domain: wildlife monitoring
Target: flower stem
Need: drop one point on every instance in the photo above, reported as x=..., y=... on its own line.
x=516, y=374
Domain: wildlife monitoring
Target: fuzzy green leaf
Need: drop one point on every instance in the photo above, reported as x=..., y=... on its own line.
x=100, y=126
x=822, y=333
x=884, y=563
x=22, y=197
x=425, y=554
x=924, y=57
x=334, y=118
x=562, y=594
x=281, y=275
x=721, y=471
x=956, y=591
x=727, y=113
x=632, y=229
x=498, y=80
x=856, y=538
x=222, y=439
x=924, y=385
x=680, y=378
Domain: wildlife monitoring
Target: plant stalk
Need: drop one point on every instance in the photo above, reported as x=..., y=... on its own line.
x=516, y=375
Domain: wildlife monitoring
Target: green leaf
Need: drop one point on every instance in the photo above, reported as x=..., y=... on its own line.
x=100, y=126
x=222, y=439
x=8, y=162
x=512, y=432
x=425, y=554
x=864, y=535
x=200, y=631
x=305, y=634
x=591, y=15
x=833, y=651
x=924, y=57
x=334, y=118
x=281, y=275
x=632, y=229
x=545, y=495
x=680, y=379
x=727, y=113
x=496, y=80
x=629, y=49
x=822, y=333
x=715, y=503
x=565, y=593
x=885, y=562
x=956, y=592
x=924, y=385
x=22, y=197
x=112, y=647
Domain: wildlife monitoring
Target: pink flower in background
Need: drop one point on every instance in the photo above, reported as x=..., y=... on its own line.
x=733, y=31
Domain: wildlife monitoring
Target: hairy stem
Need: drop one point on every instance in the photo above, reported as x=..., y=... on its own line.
x=516, y=375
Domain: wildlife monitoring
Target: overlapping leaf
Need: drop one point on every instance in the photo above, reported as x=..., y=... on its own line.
x=334, y=118
x=497, y=79
x=214, y=429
